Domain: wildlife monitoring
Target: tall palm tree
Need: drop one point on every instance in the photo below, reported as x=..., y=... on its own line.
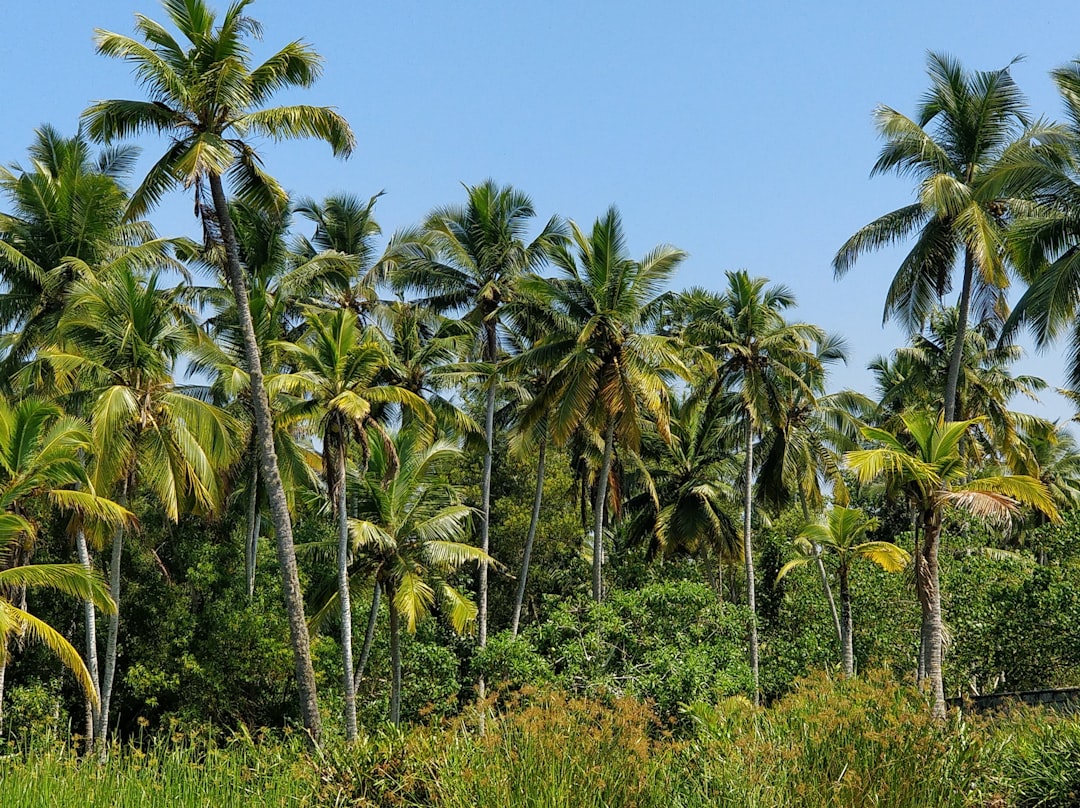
x=925, y=464
x=207, y=97
x=335, y=376
x=411, y=535
x=840, y=537
x=965, y=124
x=761, y=359
x=117, y=345
x=608, y=370
x=470, y=263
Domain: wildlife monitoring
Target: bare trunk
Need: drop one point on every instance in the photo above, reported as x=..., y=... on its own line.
x=598, y=512
x=952, y=377
x=111, y=638
x=344, y=595
x=533, y=523
x=395, y=660
x=847, y=651
x=748, y=553
x=491, y=349
x=828, y=593
x=90, y=621
x=930, y=600
x=253, y=529
x=369, y=637
x=268, y=467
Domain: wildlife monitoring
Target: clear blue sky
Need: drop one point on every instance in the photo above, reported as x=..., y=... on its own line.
x=739, y=132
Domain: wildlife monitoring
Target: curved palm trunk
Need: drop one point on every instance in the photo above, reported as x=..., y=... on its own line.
x=111, y=638
x=344, y=595
x=254, y=526
x=748, y=554
x=268, y=467
x=395, y=660
x=829, y=595
x=952, y=378
x=847, y=651
x=598, y=513
x=533, y=522
x=90, y=621
x=926, y=570
x=369, y=637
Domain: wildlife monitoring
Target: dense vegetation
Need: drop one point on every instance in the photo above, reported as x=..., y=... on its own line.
x=518, y=485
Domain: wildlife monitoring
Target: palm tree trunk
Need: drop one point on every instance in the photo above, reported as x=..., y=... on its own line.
x=490, y=355
x=828, y=594
x=748, y=553
x=253, y=529
x=369, y=636
x=533, y=522
x=930, y=600
x=90, y=621
x=846, y=642
x=952, y=378
x=344, y=595
x=395, y=660
x=268, y=467
x=111, y=638
x=598, y=512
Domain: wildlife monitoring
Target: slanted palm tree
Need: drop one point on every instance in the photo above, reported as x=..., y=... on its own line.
x=608, y=371
x=335, y=376
x=412, y=536
x=40, y=452
x=117, y=345
x=761, y=359
x=470, y=262
x=839, y=537
x=965, y=124
x=208, y=97
x=924, y=463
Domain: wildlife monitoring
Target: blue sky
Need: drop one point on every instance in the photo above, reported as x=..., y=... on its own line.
x=741, y=133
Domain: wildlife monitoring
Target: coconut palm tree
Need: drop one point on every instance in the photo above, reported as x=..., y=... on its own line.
x=117, y=345
x=839, y=537
x=965, y=124
x=207, y=96
x=469, y=263
x=608, y=370
x=411, y=535
x=924, y=463
x=335, y=374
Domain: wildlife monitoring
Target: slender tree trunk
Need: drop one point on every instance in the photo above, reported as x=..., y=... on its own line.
x=952, y=377
x=268, y=467
x=90, y=621
x=369, y=636
x=113, y=634
x=930, y=600
x=846, y=642
x=253, y=529
x=533, y=523
x=828, y=593
x=3, y=683
x=598, y=512
x=491, y=349
x=395, y=660
x=344, y=595
x=748, y=553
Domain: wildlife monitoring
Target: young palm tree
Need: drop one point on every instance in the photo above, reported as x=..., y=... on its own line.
x=412, y=536
x=335, y=377
x=840, y=538
x=965, y=124
x=924, y=462
x=470, y=263
x=608, y=371
x=761, y=359
x=208, y=96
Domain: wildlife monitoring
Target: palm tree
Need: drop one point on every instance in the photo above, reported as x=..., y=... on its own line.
x=925, y=464
x=608, y=371
x=335, y=374
x=207, y=98
x=965, y=124
x=117, y=344
x=40, y=454
x=838, y=537
x=67, y=221
x=761, y=359
x=470, y=262
x=411, y=536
